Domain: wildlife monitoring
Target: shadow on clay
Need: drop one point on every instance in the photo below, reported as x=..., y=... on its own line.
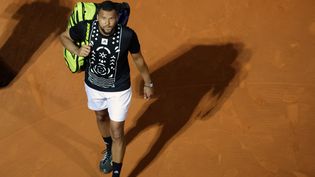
x=36, y=22
x=207, y=73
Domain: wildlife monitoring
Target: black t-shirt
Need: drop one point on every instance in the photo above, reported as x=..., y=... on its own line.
x=107, y=67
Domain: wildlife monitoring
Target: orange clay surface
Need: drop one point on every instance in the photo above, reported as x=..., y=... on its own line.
x=234, y=82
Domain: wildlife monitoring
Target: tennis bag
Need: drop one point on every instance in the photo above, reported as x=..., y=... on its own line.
x=87, y=11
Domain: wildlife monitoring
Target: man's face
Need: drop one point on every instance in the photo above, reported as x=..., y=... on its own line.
x=107, y=21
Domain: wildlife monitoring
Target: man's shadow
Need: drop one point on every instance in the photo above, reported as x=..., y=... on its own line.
x=205, y=72
x=37, y=21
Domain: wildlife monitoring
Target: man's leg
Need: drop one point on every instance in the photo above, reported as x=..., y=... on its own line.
x=103, y=123
x=118, y=108
x=119, y=145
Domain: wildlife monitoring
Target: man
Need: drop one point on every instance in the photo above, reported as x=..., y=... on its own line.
x=107, y=78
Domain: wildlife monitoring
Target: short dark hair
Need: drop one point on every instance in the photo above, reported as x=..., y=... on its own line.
x=108, y=6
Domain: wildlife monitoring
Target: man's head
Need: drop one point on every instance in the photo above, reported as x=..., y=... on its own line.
x=107, y=17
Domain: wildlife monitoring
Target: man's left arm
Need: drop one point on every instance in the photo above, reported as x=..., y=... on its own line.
x=144, y=72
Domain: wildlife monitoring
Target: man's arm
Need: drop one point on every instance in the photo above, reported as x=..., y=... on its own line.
x=69, y=44
x=144, y=72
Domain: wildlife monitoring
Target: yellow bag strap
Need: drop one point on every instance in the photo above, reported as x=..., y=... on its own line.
x=88, y=33
x=79, y=12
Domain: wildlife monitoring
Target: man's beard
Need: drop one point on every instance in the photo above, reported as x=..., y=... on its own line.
x=108, y=33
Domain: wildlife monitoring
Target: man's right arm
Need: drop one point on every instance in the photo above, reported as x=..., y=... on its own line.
x=69, y=44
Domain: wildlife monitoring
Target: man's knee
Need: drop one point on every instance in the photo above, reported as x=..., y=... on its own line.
x=117, y=136
x=102, y=115
x=117, y=132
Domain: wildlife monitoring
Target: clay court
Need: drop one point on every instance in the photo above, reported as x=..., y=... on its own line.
x=234, y=83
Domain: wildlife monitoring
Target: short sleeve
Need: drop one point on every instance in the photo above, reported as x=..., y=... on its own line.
x=78, y=32
x=134, y=43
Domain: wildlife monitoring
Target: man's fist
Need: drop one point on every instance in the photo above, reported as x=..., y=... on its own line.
x=84, y=51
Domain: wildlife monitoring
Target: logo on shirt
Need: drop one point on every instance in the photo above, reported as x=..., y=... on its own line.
x=104, y=41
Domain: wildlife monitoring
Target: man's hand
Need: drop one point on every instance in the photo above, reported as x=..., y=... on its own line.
x=84, y=51
x=148, y=92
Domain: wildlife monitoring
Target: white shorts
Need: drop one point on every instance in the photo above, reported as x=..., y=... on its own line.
x=117, y=103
